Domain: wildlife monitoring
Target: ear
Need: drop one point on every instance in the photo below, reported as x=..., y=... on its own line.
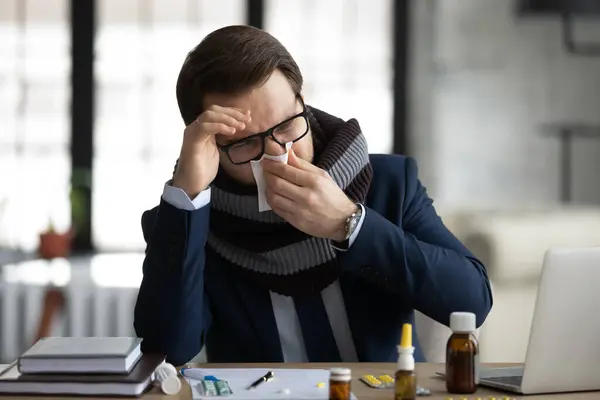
x=301, y=96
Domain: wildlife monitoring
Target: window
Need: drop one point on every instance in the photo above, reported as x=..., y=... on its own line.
x=34, y=120
x=344, y=49
x=140, y=46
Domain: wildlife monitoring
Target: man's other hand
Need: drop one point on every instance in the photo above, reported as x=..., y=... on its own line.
x=307, y=197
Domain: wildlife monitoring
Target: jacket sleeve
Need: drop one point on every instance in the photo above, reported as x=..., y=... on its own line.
x=419, y=259
x=171, y=312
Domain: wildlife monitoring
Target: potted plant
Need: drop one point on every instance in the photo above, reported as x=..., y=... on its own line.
x=54, y=244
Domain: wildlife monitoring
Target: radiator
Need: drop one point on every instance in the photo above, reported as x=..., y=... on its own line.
x=89, y=311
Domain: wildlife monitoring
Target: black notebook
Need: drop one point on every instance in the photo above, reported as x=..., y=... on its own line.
x=81, y=355
x=133, y=384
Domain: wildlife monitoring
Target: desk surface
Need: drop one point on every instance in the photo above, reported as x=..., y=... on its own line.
x=425, y=374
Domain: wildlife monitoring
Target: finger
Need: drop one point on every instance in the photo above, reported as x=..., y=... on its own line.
x=287, y=215
x=300, y=163
x=215, y=128
x=284, y=188
x=216, y=116
x=304, y=165
x=289, y=173
x=280, y=203
x=237, y=113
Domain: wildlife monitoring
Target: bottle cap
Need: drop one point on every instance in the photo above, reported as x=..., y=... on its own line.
x=406, y=340
x=340, y=374
x=170, y=385
x=409, y=351
x=462, y=322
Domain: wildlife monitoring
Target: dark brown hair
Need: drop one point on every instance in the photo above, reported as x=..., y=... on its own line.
x=231, y=60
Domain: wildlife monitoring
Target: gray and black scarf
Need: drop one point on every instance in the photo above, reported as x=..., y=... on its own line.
x=263, y=247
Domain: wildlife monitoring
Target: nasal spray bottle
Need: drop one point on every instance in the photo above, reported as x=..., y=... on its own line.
x=406, y=380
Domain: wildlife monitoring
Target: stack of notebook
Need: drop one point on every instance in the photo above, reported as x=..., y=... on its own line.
x=112, y=366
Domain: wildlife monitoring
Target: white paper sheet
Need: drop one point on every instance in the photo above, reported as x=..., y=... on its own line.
x=301, y=383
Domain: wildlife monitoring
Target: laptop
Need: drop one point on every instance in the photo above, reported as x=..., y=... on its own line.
x=563, y=354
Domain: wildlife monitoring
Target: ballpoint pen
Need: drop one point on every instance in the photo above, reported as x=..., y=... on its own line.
x=268, y=376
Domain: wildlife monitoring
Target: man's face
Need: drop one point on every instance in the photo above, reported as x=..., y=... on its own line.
x=269, y=105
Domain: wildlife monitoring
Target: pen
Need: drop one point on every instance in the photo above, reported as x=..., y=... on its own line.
x=268, y=376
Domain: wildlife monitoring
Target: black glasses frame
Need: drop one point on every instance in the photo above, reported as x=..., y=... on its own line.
x=268, y=133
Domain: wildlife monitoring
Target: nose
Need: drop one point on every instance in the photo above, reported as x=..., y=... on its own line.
x=273, y=148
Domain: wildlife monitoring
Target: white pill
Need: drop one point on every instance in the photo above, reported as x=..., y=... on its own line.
x=285, y=391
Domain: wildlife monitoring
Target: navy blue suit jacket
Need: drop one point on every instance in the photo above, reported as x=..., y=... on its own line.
x=403, y=259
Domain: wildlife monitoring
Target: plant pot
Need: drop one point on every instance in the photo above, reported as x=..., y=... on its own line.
x=54, y=245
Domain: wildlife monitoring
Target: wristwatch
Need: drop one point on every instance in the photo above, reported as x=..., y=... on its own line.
x=352, y=222
x=350, y=226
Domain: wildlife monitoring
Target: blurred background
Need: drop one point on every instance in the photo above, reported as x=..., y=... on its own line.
x=498, y=100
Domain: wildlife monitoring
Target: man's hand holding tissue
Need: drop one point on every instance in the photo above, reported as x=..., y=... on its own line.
x=307, y=197
x=199, y=156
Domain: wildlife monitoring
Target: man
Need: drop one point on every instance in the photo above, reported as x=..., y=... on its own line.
x=351, y=247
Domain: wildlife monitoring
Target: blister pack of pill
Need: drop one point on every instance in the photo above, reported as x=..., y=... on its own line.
x=380, y=382
x=210, y=388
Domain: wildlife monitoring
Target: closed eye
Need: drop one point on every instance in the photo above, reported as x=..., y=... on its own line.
x=244, y=143
x=285, y=127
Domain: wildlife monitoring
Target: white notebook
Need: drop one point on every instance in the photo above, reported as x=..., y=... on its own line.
x=81, y=355
x=12, y=382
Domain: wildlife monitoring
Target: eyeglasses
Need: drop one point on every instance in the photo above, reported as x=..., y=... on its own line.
x=253, y=147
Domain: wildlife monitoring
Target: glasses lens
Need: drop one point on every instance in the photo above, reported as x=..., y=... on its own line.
x=291, y=130
x=245, y=150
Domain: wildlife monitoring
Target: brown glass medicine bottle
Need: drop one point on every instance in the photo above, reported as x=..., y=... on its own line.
x=339, y=383
x=462, y=355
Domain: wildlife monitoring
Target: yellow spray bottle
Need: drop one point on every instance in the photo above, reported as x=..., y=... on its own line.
x=406, y=380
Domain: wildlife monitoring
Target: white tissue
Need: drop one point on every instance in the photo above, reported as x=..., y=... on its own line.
x=259, y=176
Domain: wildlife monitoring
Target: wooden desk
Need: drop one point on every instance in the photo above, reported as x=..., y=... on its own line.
x=425, y=374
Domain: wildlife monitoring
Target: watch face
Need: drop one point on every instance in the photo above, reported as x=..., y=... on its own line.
x=352, y=225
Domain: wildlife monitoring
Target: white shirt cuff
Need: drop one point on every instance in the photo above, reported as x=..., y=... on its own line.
x=179, y=199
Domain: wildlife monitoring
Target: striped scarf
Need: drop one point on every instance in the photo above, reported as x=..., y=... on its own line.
x=264, y=248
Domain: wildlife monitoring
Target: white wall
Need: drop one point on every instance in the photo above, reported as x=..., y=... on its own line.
x=484, y=81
